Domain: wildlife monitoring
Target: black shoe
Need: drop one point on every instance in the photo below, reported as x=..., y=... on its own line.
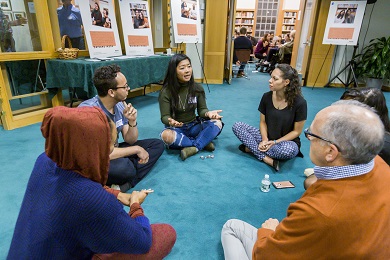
x=275, y=165
x=242, y=147
x=262, y=69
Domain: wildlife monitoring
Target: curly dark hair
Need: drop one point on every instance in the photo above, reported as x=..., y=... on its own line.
x=172, y=84
x=104, y=79
x=293, y=89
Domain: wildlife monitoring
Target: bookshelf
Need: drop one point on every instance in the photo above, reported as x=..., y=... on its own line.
x=286, y=22
x=246, y=18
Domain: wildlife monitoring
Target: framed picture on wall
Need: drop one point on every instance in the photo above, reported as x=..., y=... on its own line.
x=19, y=15
x=8, y=16
x=5, y=5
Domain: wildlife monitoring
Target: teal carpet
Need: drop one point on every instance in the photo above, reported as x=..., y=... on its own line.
x=195, y=196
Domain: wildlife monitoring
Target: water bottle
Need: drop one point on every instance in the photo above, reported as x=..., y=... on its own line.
x=265, y=184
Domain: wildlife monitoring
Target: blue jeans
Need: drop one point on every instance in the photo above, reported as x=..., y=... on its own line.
x=198, y=133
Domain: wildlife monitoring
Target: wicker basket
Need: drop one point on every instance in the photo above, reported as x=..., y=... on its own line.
x=67, y=53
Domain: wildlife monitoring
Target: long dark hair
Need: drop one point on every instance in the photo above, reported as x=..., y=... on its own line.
x=341, y=14
x=372, y=97
x=172, y=85
x=293, y=89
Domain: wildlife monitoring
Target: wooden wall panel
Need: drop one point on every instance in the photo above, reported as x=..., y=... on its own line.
x=322, y=55
x=215, y=40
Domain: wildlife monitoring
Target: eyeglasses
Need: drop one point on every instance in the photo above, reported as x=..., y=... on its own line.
x=308, y=133
x=126, y=86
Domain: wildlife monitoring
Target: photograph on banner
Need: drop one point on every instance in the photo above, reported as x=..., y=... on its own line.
x=100, y=28
x=344, y=22
x=186, y=22
x=135, y=17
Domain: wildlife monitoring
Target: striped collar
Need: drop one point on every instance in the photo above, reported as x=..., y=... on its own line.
x=339, y=172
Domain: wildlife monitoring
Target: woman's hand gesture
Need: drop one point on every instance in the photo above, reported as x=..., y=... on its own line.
x=214, y=114
x=174, y=123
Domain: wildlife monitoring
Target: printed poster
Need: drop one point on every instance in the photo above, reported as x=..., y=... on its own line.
x=186, y=21
x=344, y=22
x=100, y=28
x=135, y=17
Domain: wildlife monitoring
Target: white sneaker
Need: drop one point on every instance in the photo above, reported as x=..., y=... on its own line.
x=115, y=187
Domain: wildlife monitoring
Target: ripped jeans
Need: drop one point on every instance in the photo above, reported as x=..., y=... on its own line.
x=198, y=133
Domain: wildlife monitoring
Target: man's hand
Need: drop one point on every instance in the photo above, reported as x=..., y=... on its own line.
x=139, y=196
x=174, y=123
x=143, y=155
x=270, y=223
x=130, y=112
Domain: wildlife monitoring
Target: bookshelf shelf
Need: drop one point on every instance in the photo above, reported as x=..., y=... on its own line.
x=286, y=22
x=246, y=18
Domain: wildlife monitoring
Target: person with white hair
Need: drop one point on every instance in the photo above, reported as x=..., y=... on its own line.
x=345, y=214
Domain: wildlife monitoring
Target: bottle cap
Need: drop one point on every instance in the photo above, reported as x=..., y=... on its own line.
x=266, y=176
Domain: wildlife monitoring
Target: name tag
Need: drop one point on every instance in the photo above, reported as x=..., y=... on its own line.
x=192, y=100
x=118, y=123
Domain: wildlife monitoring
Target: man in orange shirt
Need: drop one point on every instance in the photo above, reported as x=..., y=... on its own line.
x=346, y=213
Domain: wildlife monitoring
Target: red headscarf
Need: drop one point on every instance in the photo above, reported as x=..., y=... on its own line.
x=78, y=139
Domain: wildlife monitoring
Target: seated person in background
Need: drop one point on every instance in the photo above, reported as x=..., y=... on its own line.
x=345, y=214
x=287, y=48
x=283, y=112
x=67, y=213
x=278, y=54
x=236, y=34
x=271, y=52
x=374, y=98
x=179, y=98
x=262, y=46
x=286, y=39
x=252, y=39
x=133, y=159
x=241, y=43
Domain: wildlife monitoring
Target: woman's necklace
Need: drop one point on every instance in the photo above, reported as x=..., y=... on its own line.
x=280, y=104
x=183, y=104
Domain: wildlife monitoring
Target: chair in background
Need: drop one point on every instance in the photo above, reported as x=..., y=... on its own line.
x=244, y=56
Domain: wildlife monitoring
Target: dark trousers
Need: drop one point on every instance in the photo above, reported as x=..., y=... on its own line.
x=242, y=67
x=271, y=53
x=127, y=172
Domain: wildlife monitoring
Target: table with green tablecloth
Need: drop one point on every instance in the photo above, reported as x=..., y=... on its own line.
x=78, y=73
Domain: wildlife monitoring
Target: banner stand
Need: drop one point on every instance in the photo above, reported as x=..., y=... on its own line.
x=351, y=65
